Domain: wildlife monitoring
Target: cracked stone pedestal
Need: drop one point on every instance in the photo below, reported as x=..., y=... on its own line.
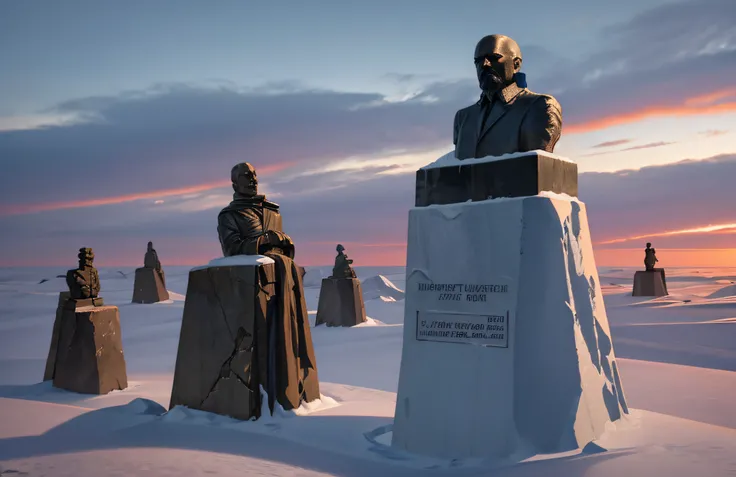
x=340, y=302
x=507, y=350
x=650, y=283
x=223, y=356
x=148, y=286
x=86, y=351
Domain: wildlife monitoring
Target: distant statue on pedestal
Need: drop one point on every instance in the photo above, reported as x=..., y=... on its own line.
x=341, y=295
x=650, y=257
x=652, y=281
x=508, y=117
x=84, y=281
x=342, y=268
x=86, y=350
x=150, y=281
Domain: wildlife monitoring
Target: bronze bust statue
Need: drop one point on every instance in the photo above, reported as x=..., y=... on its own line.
x=342, y=268
x=650, y=257
x=84, y=282
x=251, y=225
x=508, y=117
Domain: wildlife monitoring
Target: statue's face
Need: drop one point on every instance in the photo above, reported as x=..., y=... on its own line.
x=150, y=246
x=497, y=60
x=245, y=181
x=86, y=256
x=649, y=245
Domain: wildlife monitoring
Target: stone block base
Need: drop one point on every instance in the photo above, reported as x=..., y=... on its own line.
x=148, y=286
x=48, y=373
x=517, y=314
x=520, y=175
x=89, y=349
x=340, y=302
x=650, y=283
x=232, y=343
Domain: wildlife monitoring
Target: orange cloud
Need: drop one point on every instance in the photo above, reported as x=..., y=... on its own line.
x=719, y=228
x=696, y=105
x=19, y=209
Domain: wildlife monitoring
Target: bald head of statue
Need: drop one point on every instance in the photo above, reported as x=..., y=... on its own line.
x=497, y=60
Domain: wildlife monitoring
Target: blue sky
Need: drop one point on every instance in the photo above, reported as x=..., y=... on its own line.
x=120, y=120
x=62, y=50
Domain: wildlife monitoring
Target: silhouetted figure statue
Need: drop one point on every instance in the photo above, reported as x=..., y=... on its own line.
x=251, y=225
x=341, y=295
x=652, y=281
x=84, y=282
x=508, y=117
x=650, y=257
x=150, y=260
x=342, y=268
x=150, y=281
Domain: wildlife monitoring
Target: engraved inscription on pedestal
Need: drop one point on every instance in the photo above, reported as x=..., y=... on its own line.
x=463, y=328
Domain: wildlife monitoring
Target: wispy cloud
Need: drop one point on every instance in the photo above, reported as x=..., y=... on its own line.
x=704, y=104
x=617, y=142
x=648, y=146
x=694, y=230
x=632, y=148
x=713, y=132
x=8, y=210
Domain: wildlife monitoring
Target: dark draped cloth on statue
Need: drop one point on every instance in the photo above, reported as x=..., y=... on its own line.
x=288, y=363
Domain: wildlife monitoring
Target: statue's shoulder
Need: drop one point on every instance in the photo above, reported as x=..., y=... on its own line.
x=464, y=111
x=267, y=204
x=225, y=211
x=542, y=100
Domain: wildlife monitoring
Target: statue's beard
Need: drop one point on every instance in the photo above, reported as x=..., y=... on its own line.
x=248, y=190
x=490, y=81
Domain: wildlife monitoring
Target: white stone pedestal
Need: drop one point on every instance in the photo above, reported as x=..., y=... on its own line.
x=507, y=349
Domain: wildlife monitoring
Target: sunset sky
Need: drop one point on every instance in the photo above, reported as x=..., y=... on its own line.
x=120, y=121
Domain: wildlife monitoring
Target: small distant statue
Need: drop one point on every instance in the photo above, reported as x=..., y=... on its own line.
x=251, y=225
x=342, y=268
x=150, y=260
x=508, y=117
x=84, y=282
x=650, y=257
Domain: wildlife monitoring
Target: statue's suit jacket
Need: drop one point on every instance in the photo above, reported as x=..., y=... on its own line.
x=519, y=121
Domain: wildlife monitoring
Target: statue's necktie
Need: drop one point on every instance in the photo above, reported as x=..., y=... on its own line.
x=486, y=108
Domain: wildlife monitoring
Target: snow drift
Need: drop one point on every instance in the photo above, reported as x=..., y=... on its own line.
x=379, y=286
x=724, y=292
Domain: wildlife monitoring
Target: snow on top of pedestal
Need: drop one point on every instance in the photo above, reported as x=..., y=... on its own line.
x=449, y=159
x=236, y=260
x=557, y=196
x=476, y=203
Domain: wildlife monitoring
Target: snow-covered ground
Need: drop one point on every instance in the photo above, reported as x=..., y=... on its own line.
x=677, y=357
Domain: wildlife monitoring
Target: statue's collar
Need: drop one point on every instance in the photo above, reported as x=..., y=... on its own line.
x=506, y=95
x=509, y=92
x=241, y=202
